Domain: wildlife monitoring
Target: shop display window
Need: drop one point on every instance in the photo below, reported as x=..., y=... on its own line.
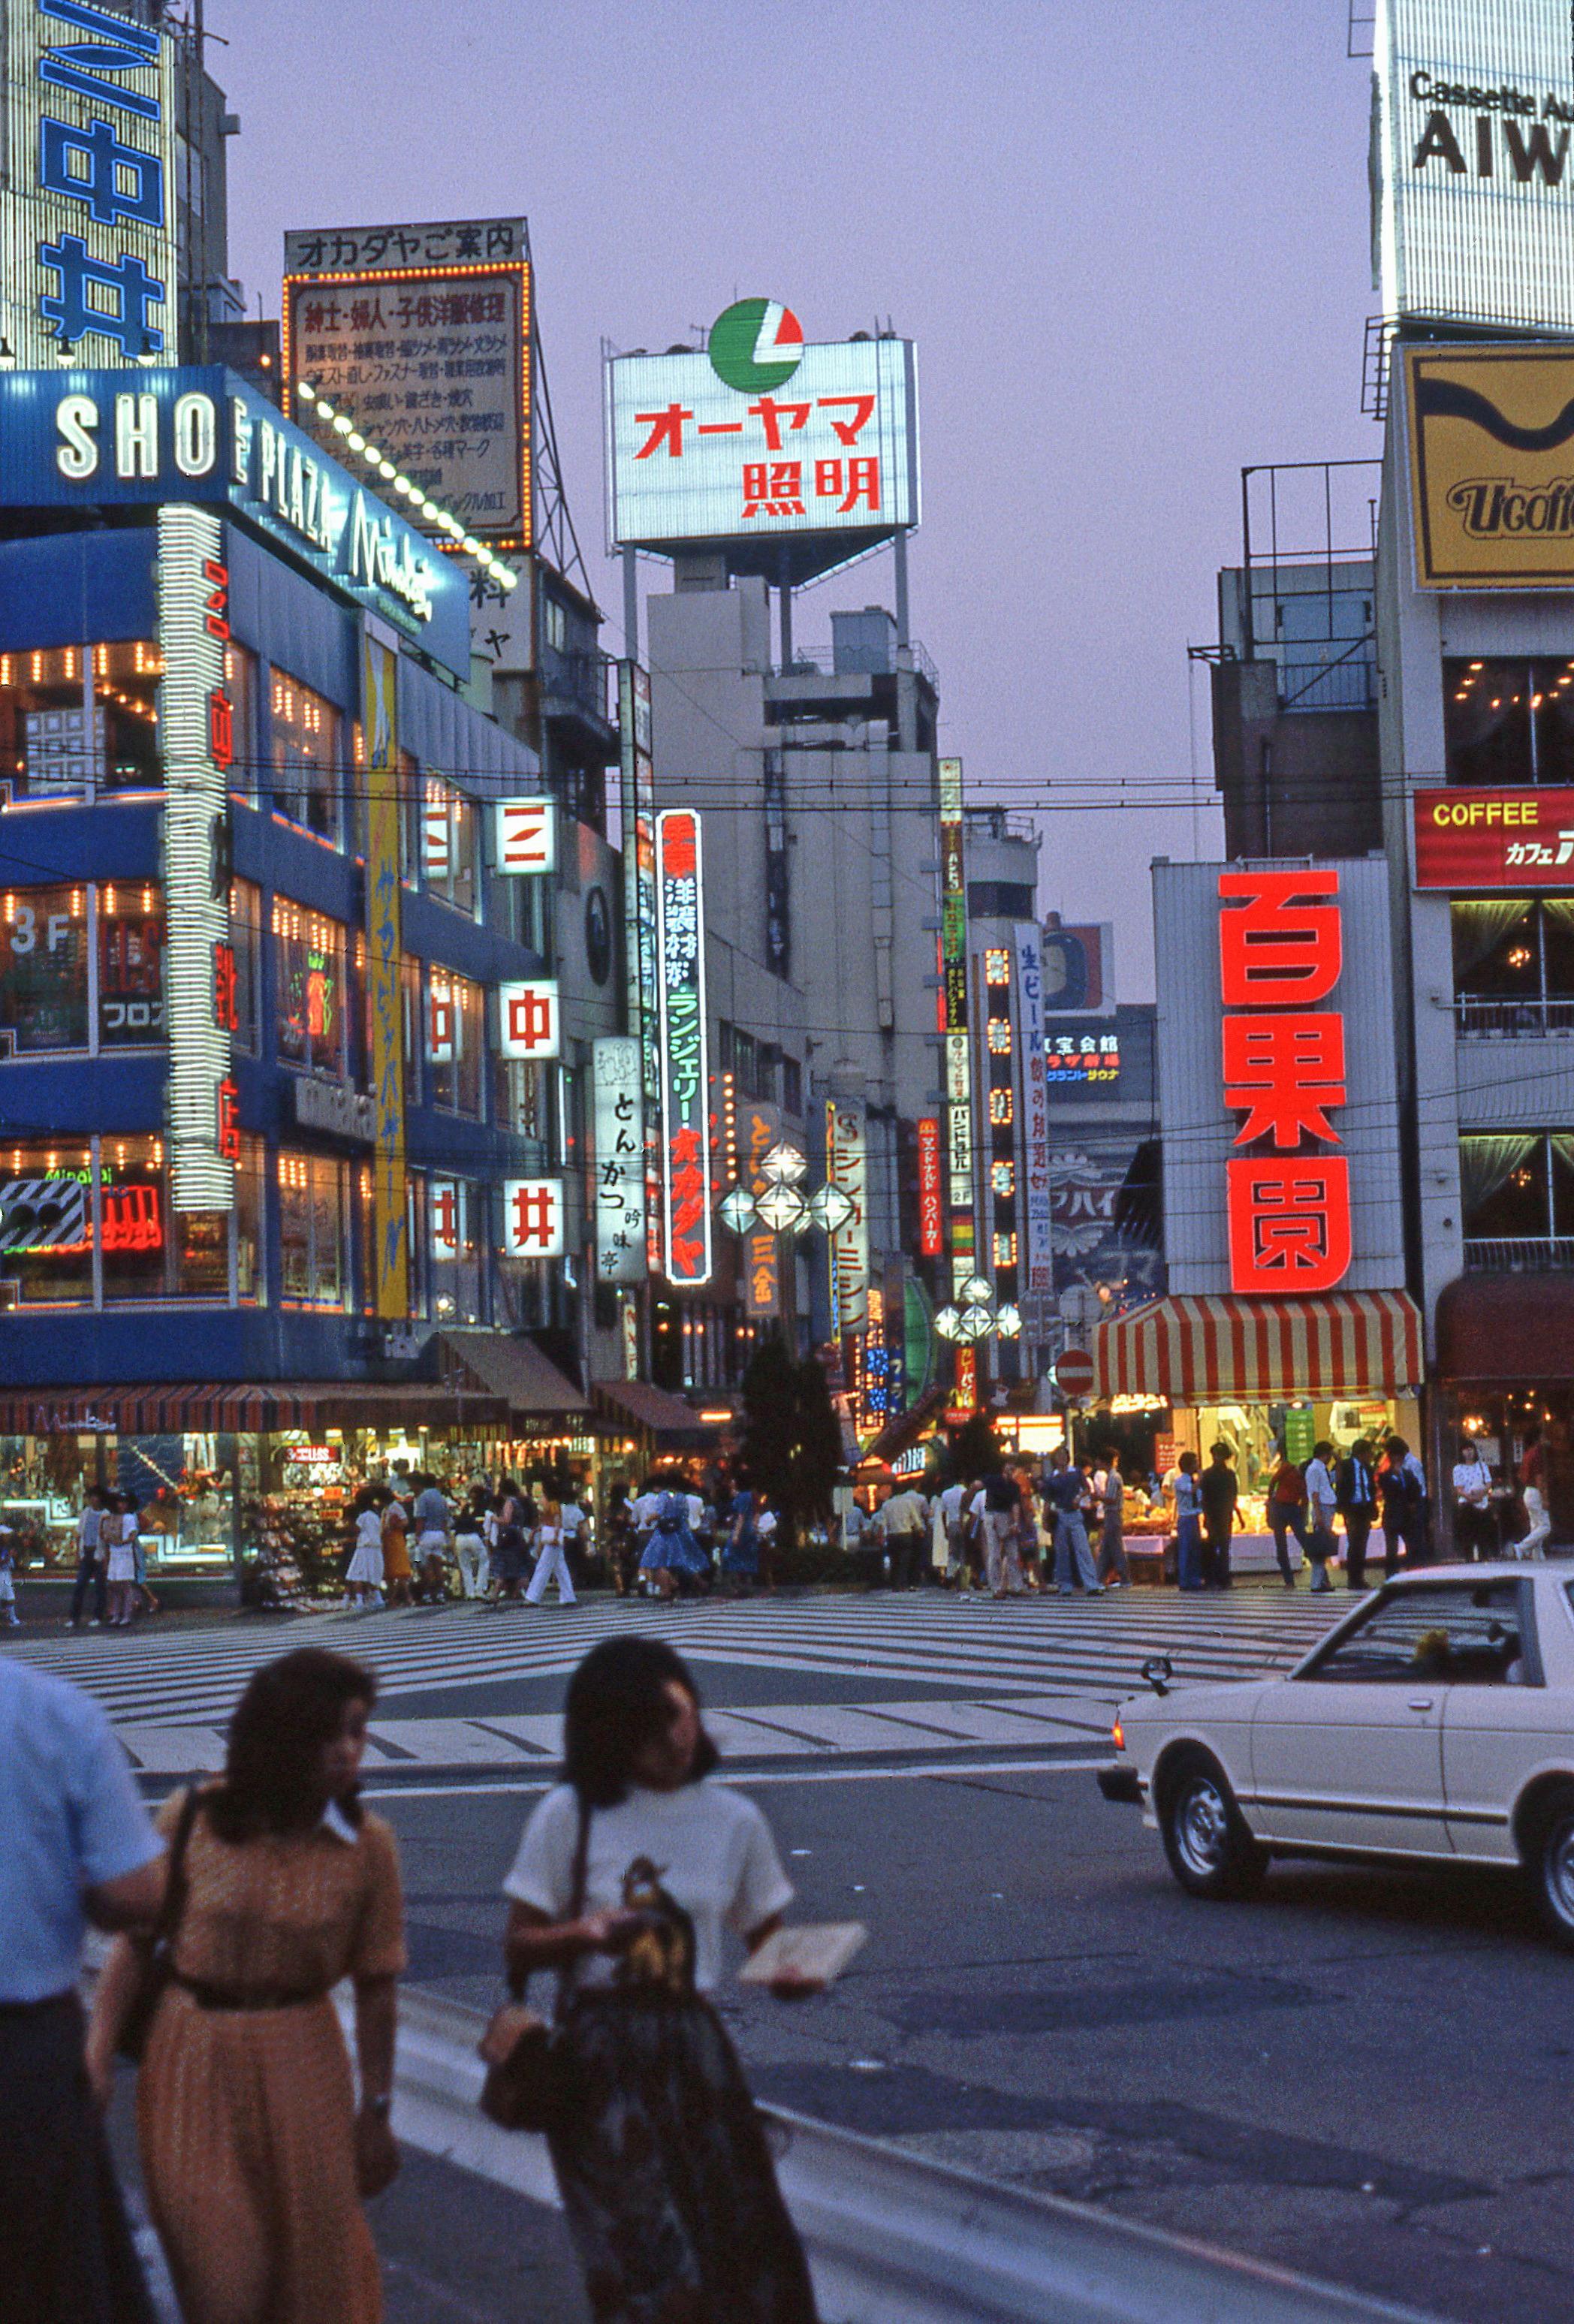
x=46, y=1224
x=251, y=1180
x=138, y=1224
x=456, y=1238
x=245, y=943
x=309, y=997
x=240, y=683
x=314, y=1223
x=455, y=1043
x=522, y=1104
x=1509, y=722
x=43, y=970
x=76, y=720
x=305, y=757
x=130, y=965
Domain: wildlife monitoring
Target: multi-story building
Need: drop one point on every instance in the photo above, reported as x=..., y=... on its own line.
x=276, y=1083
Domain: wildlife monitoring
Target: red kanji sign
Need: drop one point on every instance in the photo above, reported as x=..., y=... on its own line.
x=1289, y=1224
x=533, y=1220
x=1286, y=1071
x=225, y=988
x=1275, y=949
x=228, y=1127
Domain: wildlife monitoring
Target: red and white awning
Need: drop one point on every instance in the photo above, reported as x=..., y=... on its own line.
x=1345, y=1343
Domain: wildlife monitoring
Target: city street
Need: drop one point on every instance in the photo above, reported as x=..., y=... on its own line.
x=1360, y=2076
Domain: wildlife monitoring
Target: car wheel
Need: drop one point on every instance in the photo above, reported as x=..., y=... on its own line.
x=1552, y=1864
x=1210, y=1850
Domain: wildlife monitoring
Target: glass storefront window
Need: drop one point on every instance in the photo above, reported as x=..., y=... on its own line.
x=309, y=989
x=314, y=1221
x=416, y=1197
x=138, y=1263
x=455, y=1221
x=240, y=679
x=43, y=970
x=521, y=1100
x=46, y=1224
x=131, y=966
x=79, y=719
x=251, y=1179
x=455, y=1041
x=305, y=757
x=246, y=938
x=1509, y=721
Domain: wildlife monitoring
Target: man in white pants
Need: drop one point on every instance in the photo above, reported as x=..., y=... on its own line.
x=551, y=1564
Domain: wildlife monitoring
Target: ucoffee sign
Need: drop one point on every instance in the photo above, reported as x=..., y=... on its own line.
x=1501, y=840
x=1492, y=465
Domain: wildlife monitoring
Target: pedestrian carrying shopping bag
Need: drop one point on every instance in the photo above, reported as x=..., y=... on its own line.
x=520, y=2049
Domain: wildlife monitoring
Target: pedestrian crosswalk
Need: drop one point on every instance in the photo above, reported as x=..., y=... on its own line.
x=1005, y=1675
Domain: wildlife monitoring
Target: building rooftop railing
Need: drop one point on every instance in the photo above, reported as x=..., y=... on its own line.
x=1518, y=1254
x=1498, y=1021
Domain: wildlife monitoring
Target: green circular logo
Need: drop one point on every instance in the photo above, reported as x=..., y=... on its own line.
x=756, y=344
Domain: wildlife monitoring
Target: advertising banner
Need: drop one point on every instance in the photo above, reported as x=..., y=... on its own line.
x=759, y=1130
x=1504, y=840
x=88, y=159
x=193, y=630
x=1038, y=1274
x=82, y=439
x=959, y=1125
x=429, y=353
x=847, y=1168
x=1470, y=172
x=619, y=1161
x=758, y=437
x=686, y=1183
x=931, y=1192
x=1492, y=465
x=384, y=967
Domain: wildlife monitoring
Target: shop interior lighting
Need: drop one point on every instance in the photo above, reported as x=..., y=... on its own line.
x=439, y=517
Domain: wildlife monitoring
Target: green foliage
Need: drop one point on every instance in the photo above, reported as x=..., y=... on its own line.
x=975, y=1449
x=792, y=1439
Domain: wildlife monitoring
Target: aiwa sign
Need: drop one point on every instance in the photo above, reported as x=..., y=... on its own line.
x=1472, y=166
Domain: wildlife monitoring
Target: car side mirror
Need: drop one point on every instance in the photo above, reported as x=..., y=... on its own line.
x=1158, y=1670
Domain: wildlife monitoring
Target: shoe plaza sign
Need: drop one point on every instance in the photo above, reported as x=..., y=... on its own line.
x=1472, y=173
x=82, y=439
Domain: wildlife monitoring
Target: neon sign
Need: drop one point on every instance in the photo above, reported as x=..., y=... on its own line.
x=686, y=1175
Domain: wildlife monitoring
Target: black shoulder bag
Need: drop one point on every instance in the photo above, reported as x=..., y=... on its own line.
x=156, y=1951
x=522, y=2052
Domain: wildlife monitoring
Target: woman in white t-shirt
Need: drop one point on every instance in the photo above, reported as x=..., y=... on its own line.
x=628, y=1875
x=363, y=1574
x=120, y=1533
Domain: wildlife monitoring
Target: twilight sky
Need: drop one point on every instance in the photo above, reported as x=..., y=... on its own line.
x=1130, y=237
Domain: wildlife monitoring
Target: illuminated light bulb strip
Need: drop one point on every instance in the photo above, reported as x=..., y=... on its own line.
x=343, y=425
x=200, y=1047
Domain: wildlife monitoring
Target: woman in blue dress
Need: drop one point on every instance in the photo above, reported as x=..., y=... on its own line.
x=741, y=1557
x=672, y=1549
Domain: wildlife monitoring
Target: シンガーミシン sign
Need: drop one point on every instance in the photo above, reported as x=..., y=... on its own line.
x=82, y=439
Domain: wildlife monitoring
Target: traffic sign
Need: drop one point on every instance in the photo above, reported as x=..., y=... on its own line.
x=1074, y=1372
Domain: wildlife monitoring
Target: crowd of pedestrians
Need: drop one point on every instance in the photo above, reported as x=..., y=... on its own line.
x=247, y=1899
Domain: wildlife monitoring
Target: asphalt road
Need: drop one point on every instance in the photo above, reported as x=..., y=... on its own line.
x=1364, y=2075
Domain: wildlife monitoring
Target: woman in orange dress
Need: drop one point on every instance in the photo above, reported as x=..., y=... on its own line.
x=396, y=1569
x=256, y=2157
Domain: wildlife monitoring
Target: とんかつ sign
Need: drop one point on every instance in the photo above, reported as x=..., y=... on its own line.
x=1281, y=951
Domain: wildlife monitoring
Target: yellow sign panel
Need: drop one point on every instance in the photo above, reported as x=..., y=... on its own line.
x=1492, y=466
x=384, y=962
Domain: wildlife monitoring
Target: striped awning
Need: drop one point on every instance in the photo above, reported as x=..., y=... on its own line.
x=162, y=1410
x=1345, y=1343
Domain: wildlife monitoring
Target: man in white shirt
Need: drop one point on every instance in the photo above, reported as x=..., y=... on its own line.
x=1475, y=1526
x=1322, y=1500
x=954, y=1516
x=907, y=1517
x=92, y=1563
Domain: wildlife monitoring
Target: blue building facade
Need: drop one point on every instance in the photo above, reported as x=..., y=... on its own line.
x=186, y=903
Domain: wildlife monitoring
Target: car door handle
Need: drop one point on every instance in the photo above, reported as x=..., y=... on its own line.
x=1420, y=1703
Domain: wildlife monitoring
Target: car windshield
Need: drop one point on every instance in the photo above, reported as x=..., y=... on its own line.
x=1465, y=1632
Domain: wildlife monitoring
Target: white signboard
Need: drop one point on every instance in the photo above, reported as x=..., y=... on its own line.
x=429, y=354
x=529, y=1021
x=1472, y=170
x=87, y=160
x=619, y=1161
x=847, y=1168
x=527, y=835
x=832, y=448
x=532, y=1218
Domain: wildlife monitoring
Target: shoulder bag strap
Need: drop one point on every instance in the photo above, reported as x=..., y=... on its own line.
x=567, y=1974
x=176, y=1886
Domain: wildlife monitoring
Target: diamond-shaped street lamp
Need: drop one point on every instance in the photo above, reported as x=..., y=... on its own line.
x=738, y=1210
x=1008, y=1323
x=831, y=1208
x=978, y=1291
x=782, y=1209
x=978, y=1322
x=784, y=1165
x=948, y=1323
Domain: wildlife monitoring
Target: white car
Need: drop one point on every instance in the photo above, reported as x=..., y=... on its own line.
x=1435, y=1723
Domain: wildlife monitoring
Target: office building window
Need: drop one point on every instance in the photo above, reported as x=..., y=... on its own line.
x=455, y=1037
x=240, y=683
x=46, y=1224
x=313, y=1230
x=455, y=1236
x=521, y=1105
x=792, y=1085
x=415, y=1198
x=246, y=943
x=309, y=995
x=447, y=843
x=251, y=1187
x=130, y=965
x=305, y=757
x=44, y=971
x=1509, y=722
